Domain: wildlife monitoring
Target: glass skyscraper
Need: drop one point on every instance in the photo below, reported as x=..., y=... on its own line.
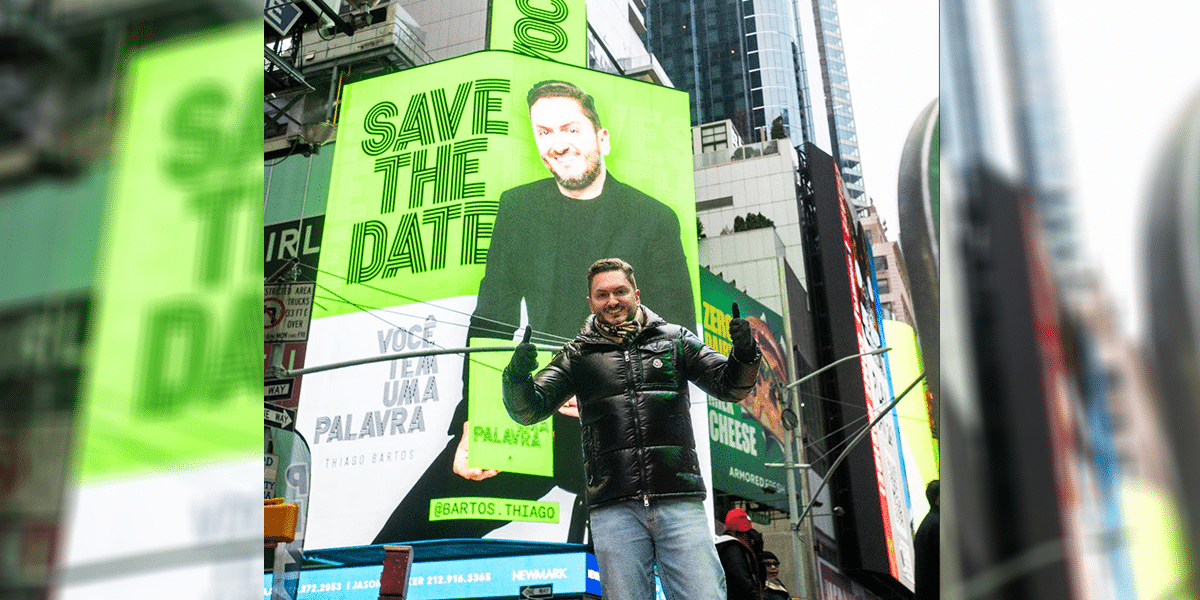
x=740, y=60
x=840, y=110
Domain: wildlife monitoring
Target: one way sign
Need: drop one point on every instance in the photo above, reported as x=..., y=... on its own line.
x=537, y=591
x=277, y=416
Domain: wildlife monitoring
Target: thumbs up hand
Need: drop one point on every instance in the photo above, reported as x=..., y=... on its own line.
x=524, y=359
x=745, y=349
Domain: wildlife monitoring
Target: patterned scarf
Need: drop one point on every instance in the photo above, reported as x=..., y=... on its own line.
x=621, y=332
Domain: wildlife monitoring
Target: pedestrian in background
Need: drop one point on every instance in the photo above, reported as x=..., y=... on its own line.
x=925, y=546
x=773, y=588
x=739, y=559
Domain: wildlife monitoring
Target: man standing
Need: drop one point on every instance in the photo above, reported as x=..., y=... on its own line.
x=546, y=233
x=629, y=370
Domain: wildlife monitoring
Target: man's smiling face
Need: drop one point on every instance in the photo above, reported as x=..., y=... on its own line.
x=612, y=297
x=570, y=146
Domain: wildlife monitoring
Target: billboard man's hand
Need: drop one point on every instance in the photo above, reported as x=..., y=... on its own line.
x=460, y=460
x=571, y=408
x=744, y=346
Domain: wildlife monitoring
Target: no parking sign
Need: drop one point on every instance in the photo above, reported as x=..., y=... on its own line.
x=287, y=312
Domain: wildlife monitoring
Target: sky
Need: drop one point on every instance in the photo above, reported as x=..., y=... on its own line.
x=891, y=49
x=1120, y=97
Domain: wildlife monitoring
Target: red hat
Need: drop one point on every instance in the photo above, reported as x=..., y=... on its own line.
x=738, y=520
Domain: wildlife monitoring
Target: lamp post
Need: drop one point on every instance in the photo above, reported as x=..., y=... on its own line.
x=858, y=438
x=798, y=519
x=794, y=521
x=834, y=364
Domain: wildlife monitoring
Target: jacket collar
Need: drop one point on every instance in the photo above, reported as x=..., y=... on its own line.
x=588, y=332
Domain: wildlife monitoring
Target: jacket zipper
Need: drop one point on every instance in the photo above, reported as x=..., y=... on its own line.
x=638, y=428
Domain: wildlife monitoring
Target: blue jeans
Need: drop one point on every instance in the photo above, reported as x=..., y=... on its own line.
x=631, y=538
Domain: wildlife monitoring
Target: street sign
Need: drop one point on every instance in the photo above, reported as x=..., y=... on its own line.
x=287, y=312
x=762, y=518
x=538, y=591
x=277, y=416
x=278, y=389
x=281, y=15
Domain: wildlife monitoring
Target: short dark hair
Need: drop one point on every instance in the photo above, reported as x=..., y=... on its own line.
x=931, y=491
x=605, y=265
x=553, y=88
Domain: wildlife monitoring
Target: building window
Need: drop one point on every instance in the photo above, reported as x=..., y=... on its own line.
x=881, y=264
x=884, y=286
x=886, y=309
x=713, y=137
x=723, y=202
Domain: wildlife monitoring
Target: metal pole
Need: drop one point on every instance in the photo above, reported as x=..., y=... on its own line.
x=338, y=22
x=414, y=353
x=799, y=548
x=287, y=68
x=801, y=531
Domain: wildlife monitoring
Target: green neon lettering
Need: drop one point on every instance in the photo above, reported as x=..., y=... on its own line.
x=356, y=271
x=493, y=509
x=374, y=124
x=390, y=167
x=408, y=252
x=449, y=117
x=175, y=340
x=552, y=38
x=417, y=125
x=485, y=103
x=194, y=125
x=558, y=11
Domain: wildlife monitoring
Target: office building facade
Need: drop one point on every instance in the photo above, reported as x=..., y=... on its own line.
x=839, y=110
x=742, y=61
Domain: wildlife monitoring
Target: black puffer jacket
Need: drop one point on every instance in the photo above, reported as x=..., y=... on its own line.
x=633, y=404
x=741, y=569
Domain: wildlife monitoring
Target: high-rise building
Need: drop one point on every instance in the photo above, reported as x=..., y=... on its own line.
x=839, y=109
x=1041, y=149
x=742, y=61
x=894, y=299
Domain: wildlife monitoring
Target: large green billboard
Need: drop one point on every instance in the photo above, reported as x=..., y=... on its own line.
x=169, y=443
x=459, y=212
x=917, y=445
x=745, y=435
x=174, y=364
x=547, y=29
